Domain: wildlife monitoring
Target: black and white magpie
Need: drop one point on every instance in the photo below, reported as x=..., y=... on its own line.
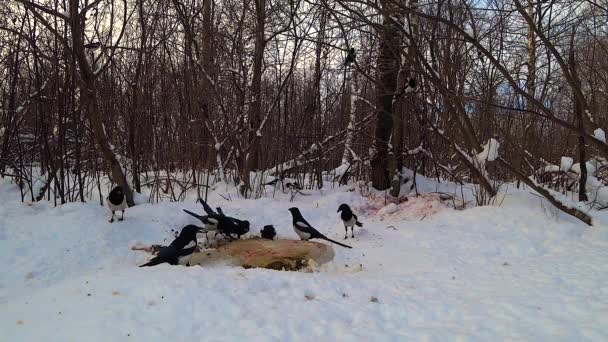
x=268, y=232
x=210, y=222
x=349, y=219
x=305, y=231
x=222, y=224
x=179, y=251
x=117, y=201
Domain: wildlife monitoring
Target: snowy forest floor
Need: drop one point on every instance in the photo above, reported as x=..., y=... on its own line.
x=419, y=271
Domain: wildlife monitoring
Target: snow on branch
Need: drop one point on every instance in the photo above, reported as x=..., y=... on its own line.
x=304, y=157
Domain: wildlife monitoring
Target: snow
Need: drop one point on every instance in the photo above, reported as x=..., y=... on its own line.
x=139, y=198
x=592, y=166
x=419, y=270
x=490, y=151
x=566, y=164
x=599, y=134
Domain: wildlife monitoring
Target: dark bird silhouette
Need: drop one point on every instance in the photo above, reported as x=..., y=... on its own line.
x=275, y=180
x=117, y=201
x=210, y=221
x=222, y=224
x=93, y=45
x=350, y=57
x=206, y=207
x=410, y=86
x=268, y=232
x=349, y=219
x=305, y=231
x=179, y=251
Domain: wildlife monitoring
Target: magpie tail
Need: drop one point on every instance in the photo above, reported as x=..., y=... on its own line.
x=153, y=262
x=359, y=224
x=193, y=214
x=206, y=207
x=336, y=242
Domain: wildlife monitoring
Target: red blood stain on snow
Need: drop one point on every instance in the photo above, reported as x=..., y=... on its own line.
x=403, y=208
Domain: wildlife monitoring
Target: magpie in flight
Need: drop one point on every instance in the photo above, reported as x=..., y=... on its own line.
x=305, y=231
x=349, y=219
x=179, y=251
x=117, y=201
x=268, y=232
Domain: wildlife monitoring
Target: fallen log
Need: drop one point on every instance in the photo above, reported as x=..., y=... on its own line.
x=291, y=255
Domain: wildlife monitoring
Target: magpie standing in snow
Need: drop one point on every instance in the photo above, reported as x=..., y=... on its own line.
x=295, y=189
x=179, y=251
x=349, y=219
x=117, y=201
x=305, y=231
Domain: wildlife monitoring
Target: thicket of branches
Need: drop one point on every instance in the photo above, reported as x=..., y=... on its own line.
x=182, y=93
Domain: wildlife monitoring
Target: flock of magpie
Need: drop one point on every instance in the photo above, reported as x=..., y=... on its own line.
x=180, y=250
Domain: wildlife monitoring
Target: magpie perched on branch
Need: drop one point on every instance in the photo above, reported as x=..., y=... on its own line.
x=179, y=251
x=117, y=201
x=93, y=45
x=349, y=219
x=410, y=86
x=350, y=57
x=305, y=231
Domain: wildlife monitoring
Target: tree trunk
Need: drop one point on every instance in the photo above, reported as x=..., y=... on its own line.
x=317, y=90
x=401, y=105
x=578, y=112
x=88, y=100
x=207, y=61
x=388, y=67
x=251, y=155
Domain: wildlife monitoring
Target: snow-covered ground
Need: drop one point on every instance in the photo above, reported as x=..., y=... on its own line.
x=418, y=271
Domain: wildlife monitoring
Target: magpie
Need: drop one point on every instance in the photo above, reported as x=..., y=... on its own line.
x=350, y=57
x=93, y=45
x=294, y=188
x=305, y=231
x=410, y=87
x=276, y=180
x=268, y=232
x=349, y=219
x=206, y=207
x=221, y=224
x=210, y=222
x=179, y=251
x=117, y=201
